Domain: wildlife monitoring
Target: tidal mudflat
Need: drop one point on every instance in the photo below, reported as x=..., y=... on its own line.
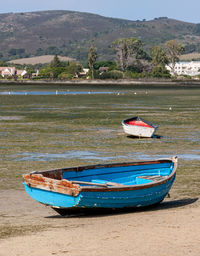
x=40, y=132
x=50, y=131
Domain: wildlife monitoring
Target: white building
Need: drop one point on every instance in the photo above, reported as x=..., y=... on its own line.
x=190, y=68
x=84, y=72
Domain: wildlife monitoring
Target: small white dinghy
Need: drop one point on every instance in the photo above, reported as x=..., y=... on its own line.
x=139, y=127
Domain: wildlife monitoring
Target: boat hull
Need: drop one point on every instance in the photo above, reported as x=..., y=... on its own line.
x=138, y=131
x=110, y=199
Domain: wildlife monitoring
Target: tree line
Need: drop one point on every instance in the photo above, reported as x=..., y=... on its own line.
x=131, y=61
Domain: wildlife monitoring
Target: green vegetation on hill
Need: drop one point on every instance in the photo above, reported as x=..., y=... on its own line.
x=69, y=33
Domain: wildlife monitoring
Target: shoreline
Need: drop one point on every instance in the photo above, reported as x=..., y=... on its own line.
x=160, y=82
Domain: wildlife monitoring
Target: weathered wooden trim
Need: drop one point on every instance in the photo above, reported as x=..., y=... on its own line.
x=59, y=186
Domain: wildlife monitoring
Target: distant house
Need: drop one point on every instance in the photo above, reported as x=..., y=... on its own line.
x=84, y=72
x=35, y=74
x=20, y=73
x=7, y=71
x=190, y=68
x=103, y=69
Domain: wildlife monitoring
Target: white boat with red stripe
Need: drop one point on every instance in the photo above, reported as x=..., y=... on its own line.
x=138, y=127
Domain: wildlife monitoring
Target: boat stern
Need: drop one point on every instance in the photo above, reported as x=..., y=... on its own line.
x=56, y=193
x=53, y=199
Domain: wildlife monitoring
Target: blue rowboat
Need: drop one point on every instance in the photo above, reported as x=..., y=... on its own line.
x=115, y=185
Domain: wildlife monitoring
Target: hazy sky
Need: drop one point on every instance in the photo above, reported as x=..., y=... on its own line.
x=185, y=10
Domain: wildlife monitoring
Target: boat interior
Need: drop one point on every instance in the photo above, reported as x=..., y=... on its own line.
x=116, y=175
x=137, y=121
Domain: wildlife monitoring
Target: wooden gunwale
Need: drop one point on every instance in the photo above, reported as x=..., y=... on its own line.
x=117, y=187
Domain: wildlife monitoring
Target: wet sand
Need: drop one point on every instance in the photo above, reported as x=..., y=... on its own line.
x=172, y=228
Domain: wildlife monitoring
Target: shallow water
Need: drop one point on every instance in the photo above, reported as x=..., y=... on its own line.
x=53, y=92
x=93, y=155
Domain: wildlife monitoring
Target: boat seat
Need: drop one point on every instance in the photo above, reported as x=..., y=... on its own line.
x=99, y=181
x=106, y=182
x=140, y=180
x=153, y=178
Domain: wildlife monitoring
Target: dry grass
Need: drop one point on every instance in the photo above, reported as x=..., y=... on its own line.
x=190, y=56
x=38, y=60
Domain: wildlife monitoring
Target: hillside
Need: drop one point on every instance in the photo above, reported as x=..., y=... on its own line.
x=38, y=60
x=70, y=33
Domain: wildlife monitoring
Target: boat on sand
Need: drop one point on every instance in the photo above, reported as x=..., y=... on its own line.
x=114, y=185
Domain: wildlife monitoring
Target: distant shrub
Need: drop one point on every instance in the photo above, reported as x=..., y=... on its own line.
x=110, y=64
x=66, y=76
x=129, y=74
x=113, y=74
x=186, y=76
x=15, y=51
x=9, y=77
x=160, y=71
x=36, y=78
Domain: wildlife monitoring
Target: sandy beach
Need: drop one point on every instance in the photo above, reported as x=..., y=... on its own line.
x=169, y=229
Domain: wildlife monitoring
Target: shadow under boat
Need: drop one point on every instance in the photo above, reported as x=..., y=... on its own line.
x=102, y=212
x=155, y=136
